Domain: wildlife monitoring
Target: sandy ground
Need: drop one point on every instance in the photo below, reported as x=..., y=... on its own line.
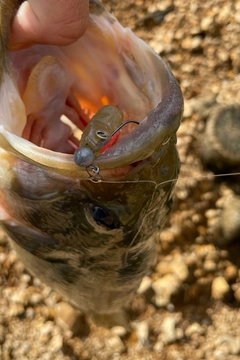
x=188, y=308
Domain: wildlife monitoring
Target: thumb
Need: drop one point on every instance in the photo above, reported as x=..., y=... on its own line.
x=56, y=22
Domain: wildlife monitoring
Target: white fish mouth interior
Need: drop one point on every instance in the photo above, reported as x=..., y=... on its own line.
x=108, y=65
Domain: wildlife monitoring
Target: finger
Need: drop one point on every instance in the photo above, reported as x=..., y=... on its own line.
x=57, y=22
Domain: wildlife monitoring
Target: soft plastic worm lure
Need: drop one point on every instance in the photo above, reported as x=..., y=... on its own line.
x=97, y=134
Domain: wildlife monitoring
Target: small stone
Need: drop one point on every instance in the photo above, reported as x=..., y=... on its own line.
x=180, y=268
x=116, y=344
x=20, y=296
x=169, y=331
x=158, y=347
x=2, y=334
x=231, y=273
x=188, y=109
x=3, y=257
x=191, y=43
x=145, y=285
x=26, y=278
x=164, y=288
x=142, y=330
x=35, y=298
x=209, y=265
x=231, y=219
x=52, y=299
x=119, y=331
x=234, y=346
x=69, y=318
x=220, y=288
x=237, y=16
x=194, y=328
x=55, y=343
x=207, y=23
x=237, y=294
x=30, y=313
x=47, y=328
x=164, y=267
x=15, y=309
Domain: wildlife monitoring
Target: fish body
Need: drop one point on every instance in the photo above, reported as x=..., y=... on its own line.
x=92, y=241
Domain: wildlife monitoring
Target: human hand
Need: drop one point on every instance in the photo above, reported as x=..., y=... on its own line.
x=56, y=22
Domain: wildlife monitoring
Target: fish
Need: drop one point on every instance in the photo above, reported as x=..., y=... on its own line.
x=88, y=230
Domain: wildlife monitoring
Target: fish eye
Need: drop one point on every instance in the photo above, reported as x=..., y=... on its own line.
x=101, y=134
x=104, y=217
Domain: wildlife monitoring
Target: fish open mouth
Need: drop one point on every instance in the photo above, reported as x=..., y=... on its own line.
x=51, y=94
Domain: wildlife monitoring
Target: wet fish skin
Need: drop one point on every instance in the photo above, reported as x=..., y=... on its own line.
x=93, y=242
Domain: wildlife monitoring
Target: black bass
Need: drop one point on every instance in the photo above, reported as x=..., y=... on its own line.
x=87, y=230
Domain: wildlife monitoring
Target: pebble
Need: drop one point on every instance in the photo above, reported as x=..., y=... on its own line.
x=142, y=331
x=188, y=109
x=164, y=288
x=191, y=43
x=116, y=344
x=15, y=309
x=180, y=268
x=47, y=328
x=3, y=257
x=237, y=294
x=194, y=328
x=220, y=288
x=55, y=343
x=207, y=23
x=234, y=345
x=69, y=318
x=176, y=265
x=2, y=334
x=25, y=278
x=231, y=272
x=52, y=299
x=231, y=219
x=35, y=298
x=145, y=285
x=20, y=296
x=30, y=313
x=120, y=331
x=169, y=331
x=158, y=347
x=209, y=265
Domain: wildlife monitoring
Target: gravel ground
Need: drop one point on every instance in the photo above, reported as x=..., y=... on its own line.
x=188, y=307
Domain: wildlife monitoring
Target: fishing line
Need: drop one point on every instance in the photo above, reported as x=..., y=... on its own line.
x=147, y=213
x=179, y=179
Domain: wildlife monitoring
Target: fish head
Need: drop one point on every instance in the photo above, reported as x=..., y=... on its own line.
x=88, y=231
